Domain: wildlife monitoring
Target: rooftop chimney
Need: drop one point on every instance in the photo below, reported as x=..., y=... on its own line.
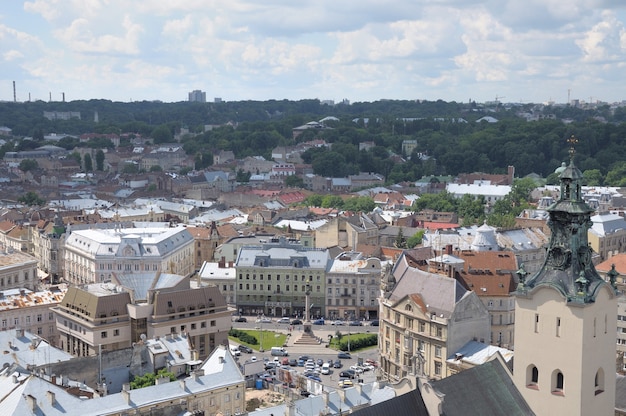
x=126, y=396
x=51, y=397
x=32, y=403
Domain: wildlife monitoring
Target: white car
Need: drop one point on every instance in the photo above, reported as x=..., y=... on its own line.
x=253, y=359
x=264, y=320
x=357, y=369
x=368, y=367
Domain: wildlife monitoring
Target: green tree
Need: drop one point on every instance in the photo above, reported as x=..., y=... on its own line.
x=162, y=134
x=88, y=163
x=294, y=181
x=100, y=160
x=77, y=157
x=314, y=200
x=616, y=176
x=31, y=199
x=400, y=239
x=243, y=176
x=332, y=201
x=359, y=204
x=27, y=165
x=592, y=177
x=149, y=379
x=156, y=168
x=415, y=239
x=130, y=168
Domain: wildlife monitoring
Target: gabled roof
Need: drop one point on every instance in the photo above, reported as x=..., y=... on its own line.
x=441, y=293
x=487, y=389
x=410, y=403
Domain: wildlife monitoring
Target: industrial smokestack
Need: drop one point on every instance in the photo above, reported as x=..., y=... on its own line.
x=14, y=96
x=50, y=97
x=63, y=96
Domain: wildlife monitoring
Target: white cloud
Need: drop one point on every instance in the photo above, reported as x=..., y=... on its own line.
x=80, y=38
x=356, y=49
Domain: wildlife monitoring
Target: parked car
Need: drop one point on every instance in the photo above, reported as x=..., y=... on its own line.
x=241, y=319
x=304, y=358
x=293, y=362
x=375, y=322
x=347, y=373
x=357, y=369
x=344, y=355
x=264, y=320
x=301, y=362
x=296, y=322
x=283, y=320
x=345, y=383
x=325, y=368
x=319, y=362
x=337, y=364
x=318, y=322
x=285, y=361
x=314, y=377
x=305, y=393
x=253, y=359
x=246, y=349
x=338, y=322
x=355, y=323
x=270, y=366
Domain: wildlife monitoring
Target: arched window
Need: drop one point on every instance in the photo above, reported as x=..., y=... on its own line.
x=557, y=382
x=599, y=382
x=532, y=377
x=408, y=308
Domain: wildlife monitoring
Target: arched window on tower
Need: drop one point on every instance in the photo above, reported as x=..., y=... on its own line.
x=532, y=377
x=557, y=382
x=599, y=382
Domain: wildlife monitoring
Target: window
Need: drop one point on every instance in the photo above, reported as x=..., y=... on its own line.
x=193, y=326
x=103, y=334
x=202, y=324
x=437, y=368
x=557, y=382
x=532, y=376
x=437, y=351
x=39, y=318
x=116, y=332
x=558, y=327
x=536, y=323
x=599, y=382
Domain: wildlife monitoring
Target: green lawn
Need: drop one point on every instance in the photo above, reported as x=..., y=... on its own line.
x=354, y=338
x=269, y=338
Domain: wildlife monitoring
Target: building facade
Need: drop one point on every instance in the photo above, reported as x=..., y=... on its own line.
x=114, y=316
x=424, y=319
x=94, y=255
x=353, y=287
x=17, y=270
x=272, y=279
x=31, y=311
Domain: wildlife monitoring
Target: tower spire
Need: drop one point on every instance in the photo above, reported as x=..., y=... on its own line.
x=568, y=267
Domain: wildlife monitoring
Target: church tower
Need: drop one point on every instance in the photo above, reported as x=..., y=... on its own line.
x=566, y=317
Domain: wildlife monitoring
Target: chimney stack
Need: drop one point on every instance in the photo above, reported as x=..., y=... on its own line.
x=51, y=397
x=126, y=396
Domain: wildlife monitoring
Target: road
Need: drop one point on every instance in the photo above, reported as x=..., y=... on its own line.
x=315, y=351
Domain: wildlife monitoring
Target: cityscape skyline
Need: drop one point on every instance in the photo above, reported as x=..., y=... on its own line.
x=453, y=50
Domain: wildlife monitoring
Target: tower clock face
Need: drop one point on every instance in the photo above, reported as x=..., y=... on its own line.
x=559, y=257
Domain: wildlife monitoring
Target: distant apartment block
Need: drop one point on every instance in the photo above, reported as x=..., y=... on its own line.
x=61, y=115
x=197, y=96
x=17, y=270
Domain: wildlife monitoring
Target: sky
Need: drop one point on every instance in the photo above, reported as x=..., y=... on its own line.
x=360, y=50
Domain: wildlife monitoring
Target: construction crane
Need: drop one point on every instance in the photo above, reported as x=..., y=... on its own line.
x=498, y=98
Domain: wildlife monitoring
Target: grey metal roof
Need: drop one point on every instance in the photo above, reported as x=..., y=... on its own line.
x=487, y=389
